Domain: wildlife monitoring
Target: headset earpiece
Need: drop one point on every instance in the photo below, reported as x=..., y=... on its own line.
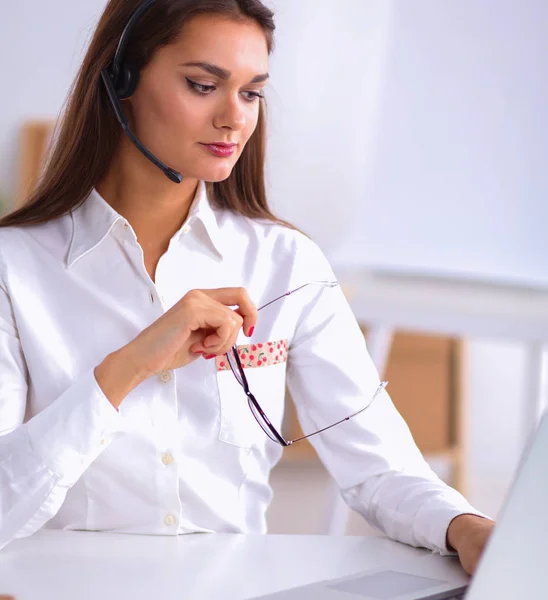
x=126, y=82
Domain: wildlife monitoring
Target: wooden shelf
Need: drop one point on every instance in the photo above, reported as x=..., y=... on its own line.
x=35, y=136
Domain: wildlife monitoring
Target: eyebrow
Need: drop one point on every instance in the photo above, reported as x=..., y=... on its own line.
x=222, y=73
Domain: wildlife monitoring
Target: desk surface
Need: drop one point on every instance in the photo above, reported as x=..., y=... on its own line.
x=75, y=565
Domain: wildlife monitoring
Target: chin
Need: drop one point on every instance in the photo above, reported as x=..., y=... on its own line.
x=214, y=175
x=217, y=179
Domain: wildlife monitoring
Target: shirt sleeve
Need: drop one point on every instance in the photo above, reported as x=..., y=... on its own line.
x=372, y=457
x=42, y=458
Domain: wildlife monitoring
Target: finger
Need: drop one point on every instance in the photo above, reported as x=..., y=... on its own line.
x=248, y=325
x=228, y=331
x=230, y=342
x=198, y=346
x=195, y=340
x=208, y=315
x=225, y=339
x=240, y=298
x=221, y=337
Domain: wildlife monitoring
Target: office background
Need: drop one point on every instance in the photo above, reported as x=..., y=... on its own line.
x=366, y=98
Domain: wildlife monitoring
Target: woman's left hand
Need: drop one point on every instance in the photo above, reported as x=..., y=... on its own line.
x=468, y=535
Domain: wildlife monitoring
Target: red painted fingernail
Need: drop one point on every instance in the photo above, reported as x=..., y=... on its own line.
x=209, y=356
x=198, y=352
x=251, y=331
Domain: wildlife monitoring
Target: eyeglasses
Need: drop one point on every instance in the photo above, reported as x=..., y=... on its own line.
x=233, y=358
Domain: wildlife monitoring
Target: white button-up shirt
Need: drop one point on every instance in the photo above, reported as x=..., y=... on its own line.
x=184, y=452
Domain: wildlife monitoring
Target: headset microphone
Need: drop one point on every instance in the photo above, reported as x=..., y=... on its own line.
x=120, y=80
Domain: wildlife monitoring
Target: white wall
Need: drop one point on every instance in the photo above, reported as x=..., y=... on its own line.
x=458, y=180
x=324, y=99
x=41, y=46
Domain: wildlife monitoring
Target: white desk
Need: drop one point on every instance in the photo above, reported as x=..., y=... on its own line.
x=387, y=302
x=75, y=565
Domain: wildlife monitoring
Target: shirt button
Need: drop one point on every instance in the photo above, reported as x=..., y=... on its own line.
x=167, y=459
x=165, y=377
x=103, y=441
x=186, y=228
x=170, y=519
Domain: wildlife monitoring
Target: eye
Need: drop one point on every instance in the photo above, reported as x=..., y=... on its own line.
x=204, y=90
x=253, y=96
x=199, y=88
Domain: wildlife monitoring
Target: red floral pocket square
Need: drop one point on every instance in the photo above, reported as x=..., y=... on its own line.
x=257, y=355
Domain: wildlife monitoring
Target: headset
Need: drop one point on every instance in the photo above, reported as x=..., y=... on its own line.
x=121, y=79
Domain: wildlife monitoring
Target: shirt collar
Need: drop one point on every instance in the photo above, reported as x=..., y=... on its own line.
x=95, y=218
x=202, y=211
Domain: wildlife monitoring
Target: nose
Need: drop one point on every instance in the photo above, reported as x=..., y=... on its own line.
x=230, y=114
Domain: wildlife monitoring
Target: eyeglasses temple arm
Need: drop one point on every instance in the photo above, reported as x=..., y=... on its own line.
x=326, y=283
x=379, y=390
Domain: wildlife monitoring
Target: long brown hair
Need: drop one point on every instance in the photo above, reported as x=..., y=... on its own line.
x=88, y=133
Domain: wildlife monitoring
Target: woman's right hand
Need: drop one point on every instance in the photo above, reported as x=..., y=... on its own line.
x=200, y=323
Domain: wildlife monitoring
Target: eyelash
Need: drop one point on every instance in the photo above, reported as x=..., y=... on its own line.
x=204, y=90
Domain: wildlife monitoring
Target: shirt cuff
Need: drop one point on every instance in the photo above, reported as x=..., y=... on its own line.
x=73, y=430
x=435, y=520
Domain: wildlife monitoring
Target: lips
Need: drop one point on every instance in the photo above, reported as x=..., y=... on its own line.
x=220, y=149
x=222, y=144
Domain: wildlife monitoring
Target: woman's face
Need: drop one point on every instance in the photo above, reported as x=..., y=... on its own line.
x=179, y=108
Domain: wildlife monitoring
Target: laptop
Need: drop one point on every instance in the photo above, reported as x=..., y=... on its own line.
x=513, y=565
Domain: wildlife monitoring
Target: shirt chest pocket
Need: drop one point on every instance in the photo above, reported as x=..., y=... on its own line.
x=266, y=382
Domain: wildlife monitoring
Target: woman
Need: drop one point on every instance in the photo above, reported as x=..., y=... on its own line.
x=123, y=290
